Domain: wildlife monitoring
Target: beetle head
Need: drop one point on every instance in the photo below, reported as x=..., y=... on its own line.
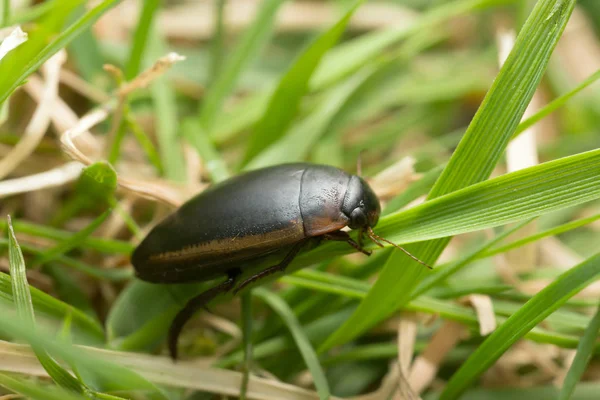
x=361, y=205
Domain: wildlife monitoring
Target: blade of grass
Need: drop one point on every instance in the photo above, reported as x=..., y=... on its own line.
x=247, y=342
x=14, y=75
x=4, y=13
x=37, y=391
x=304, y=346
x=582, y=358
x=202, y=143
x=555, y=104
x=540, y=235
x=140, y=38
x=113, y=376
x=166, y=118
x=516, y=326
x=24, y=306
x=72, y=242
x=441, y=274
x=217, y=42
x=255, y=37
x=45, y=304
x=473, y=160
x=98, y=244
x=285, y=101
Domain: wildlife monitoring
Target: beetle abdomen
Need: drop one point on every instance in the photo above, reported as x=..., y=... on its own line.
x=243, y=218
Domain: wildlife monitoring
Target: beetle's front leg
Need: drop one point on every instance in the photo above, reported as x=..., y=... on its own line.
x=194, y=305
x=341, y=236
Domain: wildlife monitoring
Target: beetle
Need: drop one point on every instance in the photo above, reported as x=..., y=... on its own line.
x=232, y=226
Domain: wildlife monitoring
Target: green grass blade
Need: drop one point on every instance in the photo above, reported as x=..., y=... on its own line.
x=15, y=74
x=112, y=376
x=24, y=306
x=285, y=101
x=441, y=274
x=351, y=56
x=73, y=241
x=508, y=198
x=516, y=326
x=37, y=391
x=4, y=13
x=473, y=160
x=582, y=358
x=140, y=38
x=306, y=349
x=556, y=104
x=297, y=143
x=253, y=40
x=98, y=244
x=55, y=309
x=540, y=235
x=167, y=121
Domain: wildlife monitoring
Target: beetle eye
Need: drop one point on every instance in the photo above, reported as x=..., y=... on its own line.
x=358, y=218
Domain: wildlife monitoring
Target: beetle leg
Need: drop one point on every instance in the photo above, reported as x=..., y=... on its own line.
x=275, y=268
x=341, y=236
x=200, y=301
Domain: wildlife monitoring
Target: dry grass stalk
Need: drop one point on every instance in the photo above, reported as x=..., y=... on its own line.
x=484, y=308
x=394, y=179
x=425, y=366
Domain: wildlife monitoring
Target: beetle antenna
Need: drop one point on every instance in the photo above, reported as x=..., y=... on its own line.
x=375, y=238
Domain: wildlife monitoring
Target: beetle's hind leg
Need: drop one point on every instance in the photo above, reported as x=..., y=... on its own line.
x=275, y=268
x=341, y=236
x=193, y=305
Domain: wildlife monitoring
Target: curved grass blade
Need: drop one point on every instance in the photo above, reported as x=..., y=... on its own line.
x=306, y=349
x=285, y=101
x=14, y=74
x=516, y=326
x=140, y=38
x=37, y=391
x=582, y=358
x=473, y=160
x=24, y=306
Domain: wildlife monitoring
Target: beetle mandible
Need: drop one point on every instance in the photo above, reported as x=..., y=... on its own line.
x=234, y=225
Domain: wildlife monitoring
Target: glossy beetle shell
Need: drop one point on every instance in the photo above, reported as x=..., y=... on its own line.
x=243, y=219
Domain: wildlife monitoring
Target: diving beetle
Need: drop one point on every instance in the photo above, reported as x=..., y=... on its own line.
x=234, y=225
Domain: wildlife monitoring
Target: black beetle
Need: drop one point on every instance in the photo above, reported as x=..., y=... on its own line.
x=233, y=225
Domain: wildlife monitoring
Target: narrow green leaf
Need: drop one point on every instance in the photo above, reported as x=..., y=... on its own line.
x=24, y=306
x=98, y=183
x=508, y=198
x=35, y=390
x=140, y=38
x=540, y=235
x=297, y=143
x=14, y=74
x=285, y=101
x=473, y=160
x=247, y=341
x=582, y=358
x=73, y=241
x=166, y=117
x=255, y=37
x=516, y=326
x=113, y=376
x=306, y=349
x=98, y=244
x=555, y=104
x=4, y=13
x=441, y=274
x=47, y=305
